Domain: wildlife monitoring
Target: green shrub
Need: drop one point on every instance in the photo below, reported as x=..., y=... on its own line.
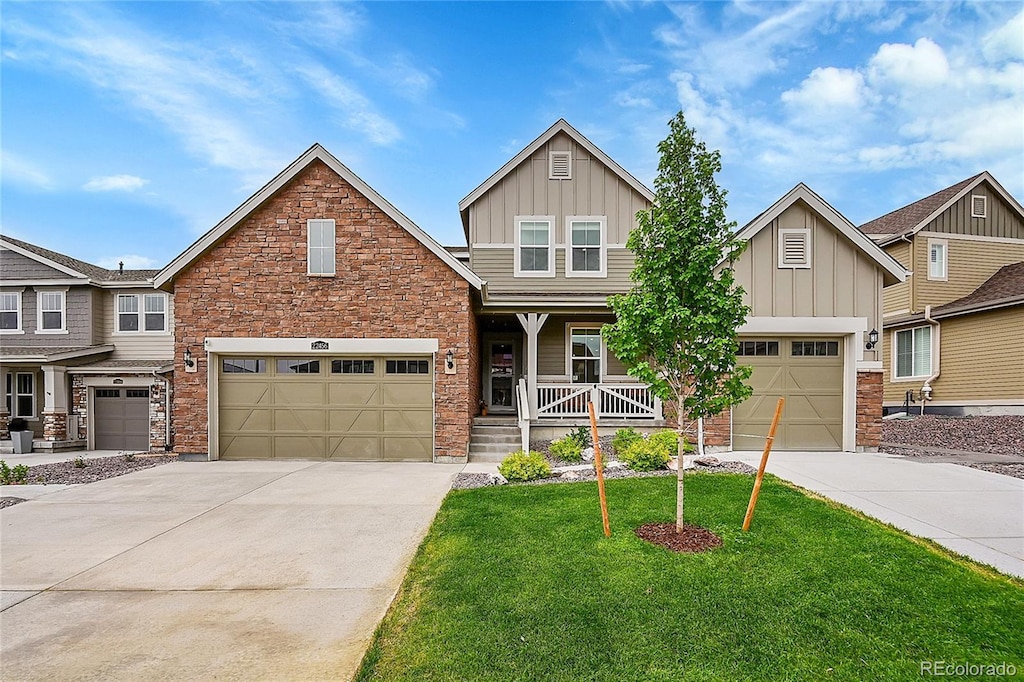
x=79, y=462
x=647, y=454
x=580, y=436
x=567, y=450
x=9, y=476
x=20, y=473
x=522, y=466
x=5, y=473
x=623, y=437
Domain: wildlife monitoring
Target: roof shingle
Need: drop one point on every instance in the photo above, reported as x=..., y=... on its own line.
x=88, y=269
x=911, y=215
x=1006, y=285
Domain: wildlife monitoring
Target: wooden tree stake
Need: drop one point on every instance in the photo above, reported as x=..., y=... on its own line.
x=764, y=463
x=600, y=470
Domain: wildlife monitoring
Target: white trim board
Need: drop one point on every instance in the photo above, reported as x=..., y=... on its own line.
x=208, y=240
x=804, y=325
x=361, y=346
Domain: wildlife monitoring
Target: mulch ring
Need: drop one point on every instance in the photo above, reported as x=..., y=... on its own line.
x=692, y=539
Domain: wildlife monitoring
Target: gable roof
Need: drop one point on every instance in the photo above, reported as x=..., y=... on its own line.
x=1006, y=287
x=73, y=266
x=316, y=152
x=894, y=272
x=560, y=126
x=913, y=217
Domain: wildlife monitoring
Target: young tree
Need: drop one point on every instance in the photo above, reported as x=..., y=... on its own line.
x=676, y=328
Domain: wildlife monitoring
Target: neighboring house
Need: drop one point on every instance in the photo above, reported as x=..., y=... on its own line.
x=85, y=352
x=322, y=322
x=954, y=331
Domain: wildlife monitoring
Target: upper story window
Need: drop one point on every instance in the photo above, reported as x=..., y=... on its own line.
x=141, y=313
x=586, y=246
x=979, y=206
x=914, y=353
x=321, y=243
x=937, y=259
x=560, y=166
x=585, y=355
x=52, y=312
x=794, y=248
x=10, y=312
x=534, y=255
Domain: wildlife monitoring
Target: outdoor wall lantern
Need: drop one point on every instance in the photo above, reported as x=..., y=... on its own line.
x=450, y=359
x=872, y=339
x=190, y=364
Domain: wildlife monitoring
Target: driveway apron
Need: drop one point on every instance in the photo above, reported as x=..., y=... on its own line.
x=212, y=570
x=975, y=513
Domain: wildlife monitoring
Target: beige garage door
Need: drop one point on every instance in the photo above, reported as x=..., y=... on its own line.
x=808, y=373
x=378, y=408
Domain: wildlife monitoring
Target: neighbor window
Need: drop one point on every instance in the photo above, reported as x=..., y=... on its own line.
x=586, y=246
x=585, y=355
x=51, y=311
x=914, y=353
x=10, y=312
x=141, y=312
x=321, y=246
x=937, y=259
x=794, y=248
x=534, y=256
x=21, y=394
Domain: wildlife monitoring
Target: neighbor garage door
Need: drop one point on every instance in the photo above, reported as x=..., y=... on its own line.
x=808, y=373
x=122, y=418
x=366, y=408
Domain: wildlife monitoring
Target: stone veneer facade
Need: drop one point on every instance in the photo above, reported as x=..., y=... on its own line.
x=253, y=283
x=157, y=409
x=869, y=410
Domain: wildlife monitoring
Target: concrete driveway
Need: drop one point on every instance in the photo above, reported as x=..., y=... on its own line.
x=212, y=570
x=972, y=512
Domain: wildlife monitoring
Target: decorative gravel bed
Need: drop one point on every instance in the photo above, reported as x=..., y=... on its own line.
x=1004, y=468
x=993, y=434
x=64, y=473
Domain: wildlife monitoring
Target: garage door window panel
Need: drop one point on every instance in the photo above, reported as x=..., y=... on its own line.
x=244, y=366
x=298, y=366
x=407, y=367
x=758, y=349
x=352, y=367
x=825, y=349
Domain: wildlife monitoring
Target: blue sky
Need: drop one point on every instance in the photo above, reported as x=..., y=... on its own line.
x=129, y=129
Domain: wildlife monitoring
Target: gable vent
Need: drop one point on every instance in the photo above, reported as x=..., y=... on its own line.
x=978, y=205
x=794, y=248
x=560, y=166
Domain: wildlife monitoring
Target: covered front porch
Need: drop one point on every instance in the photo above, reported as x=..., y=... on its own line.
x=545, y=366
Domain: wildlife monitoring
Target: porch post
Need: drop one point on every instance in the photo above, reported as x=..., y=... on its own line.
x=532, y=323
x=55, y=402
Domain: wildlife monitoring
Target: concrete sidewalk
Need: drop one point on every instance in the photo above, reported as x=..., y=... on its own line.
x=972, y=512
x=210, y=570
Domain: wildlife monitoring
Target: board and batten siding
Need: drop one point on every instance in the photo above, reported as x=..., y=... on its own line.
x=551, y=348
x=896, y=297
x=969, y=264
x=496, y=266
x=136, y=346
x=841, y=282
x=1000, y=221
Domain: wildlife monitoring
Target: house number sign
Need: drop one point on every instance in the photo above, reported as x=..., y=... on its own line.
x=319, y=345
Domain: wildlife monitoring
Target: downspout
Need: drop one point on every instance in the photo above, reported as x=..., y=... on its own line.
x=167, y=410
x=926, y=389
x=912, y=283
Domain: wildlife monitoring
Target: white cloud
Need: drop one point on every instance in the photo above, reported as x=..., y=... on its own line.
x=921, y=65
x=20, y=171
x=357, y=111
x=115, y=183
x=1005, y=42
x=131, y=262
x=828, y=87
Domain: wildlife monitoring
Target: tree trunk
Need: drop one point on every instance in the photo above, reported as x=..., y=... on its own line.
x=679, y=481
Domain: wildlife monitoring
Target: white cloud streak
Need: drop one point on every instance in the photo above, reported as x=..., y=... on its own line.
x=115, y=183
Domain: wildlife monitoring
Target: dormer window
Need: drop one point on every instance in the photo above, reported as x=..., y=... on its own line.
x=794, y=248
x=979, y=206
x=560, y=166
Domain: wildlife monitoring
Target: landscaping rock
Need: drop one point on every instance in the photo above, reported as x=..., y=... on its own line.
x=9, y=501
x=93, y=469
x=706, y=461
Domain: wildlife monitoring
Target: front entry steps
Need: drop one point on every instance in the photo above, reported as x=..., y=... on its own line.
x=493, y=438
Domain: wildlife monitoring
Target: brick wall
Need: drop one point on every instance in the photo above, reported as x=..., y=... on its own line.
x=869, y=410
x=718, y=430
x=253, y=283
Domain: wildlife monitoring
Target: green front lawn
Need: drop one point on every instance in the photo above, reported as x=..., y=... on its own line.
x=519, y=583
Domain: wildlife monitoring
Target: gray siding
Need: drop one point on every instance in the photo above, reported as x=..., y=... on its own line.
x=496, y=267
x=841, y=282
x=15, y=266
x=1002, y=220
x=551, y=355
x=78, y=308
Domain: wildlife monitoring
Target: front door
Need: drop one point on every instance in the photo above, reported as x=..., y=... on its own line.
x=502, y=388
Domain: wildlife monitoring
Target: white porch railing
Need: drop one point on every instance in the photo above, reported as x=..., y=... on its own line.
x=523, y=412
x=620, y=401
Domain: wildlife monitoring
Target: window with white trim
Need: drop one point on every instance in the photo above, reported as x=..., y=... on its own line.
x=937, y=259
x=585, y=355
x=321, y=243
x=10, y=312
x=979, y=206
x=52, y=312
x=534, y=256
x=586, y=246
x=21, y=394
x=560, y=166
x=795, y=248
x=141, y=313
x=914, y=353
